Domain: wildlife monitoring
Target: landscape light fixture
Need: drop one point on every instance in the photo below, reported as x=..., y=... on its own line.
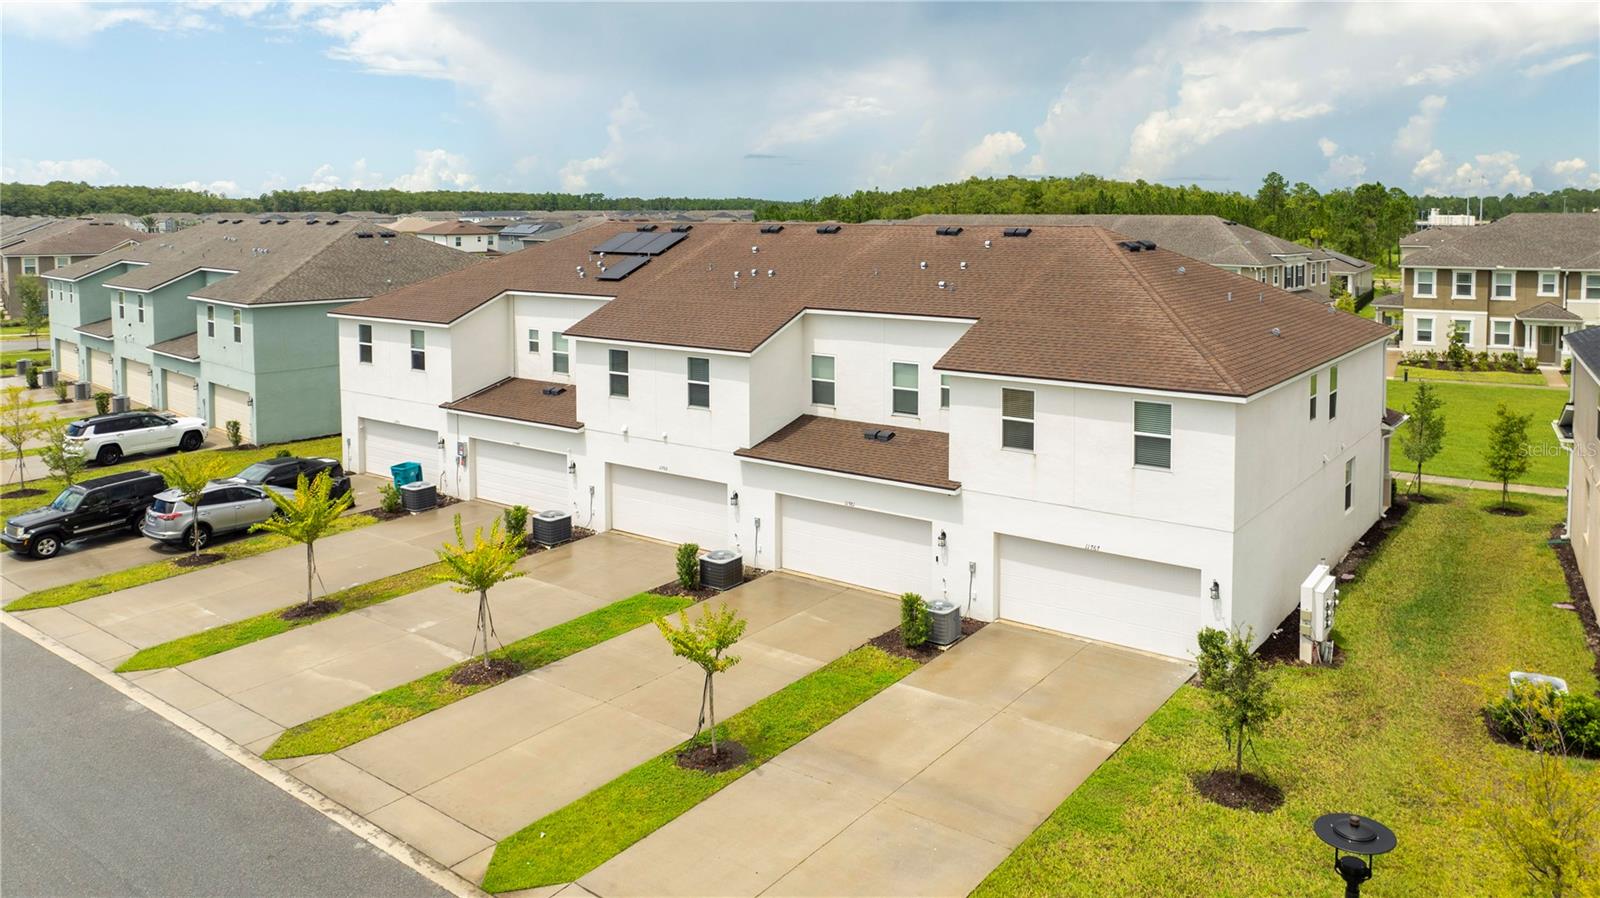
x=1352, y=835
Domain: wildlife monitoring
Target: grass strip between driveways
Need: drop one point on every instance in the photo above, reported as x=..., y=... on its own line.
x=408, y=701
x=154, y=571
x=231, y=636
x=570, y=842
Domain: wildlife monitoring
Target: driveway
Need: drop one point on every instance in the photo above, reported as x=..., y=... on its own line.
x=921, y=790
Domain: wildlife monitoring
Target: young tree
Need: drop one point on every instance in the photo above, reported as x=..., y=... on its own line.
x=306, y=517
x=65, y=466
x=703, y=642
x=1423, y=436
x=688, y=563
x=1236, y=682
x=1457, y=353
x=479, y=566
x=18, y=425
x=34, y=312
x=188, y=473
x=1507, y=453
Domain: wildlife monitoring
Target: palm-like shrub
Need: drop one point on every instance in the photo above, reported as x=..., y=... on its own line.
x=307, y=517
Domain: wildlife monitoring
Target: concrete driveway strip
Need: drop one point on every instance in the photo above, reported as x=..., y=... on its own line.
x=917, y=791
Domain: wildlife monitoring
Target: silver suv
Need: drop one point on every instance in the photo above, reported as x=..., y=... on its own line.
x=224, y=508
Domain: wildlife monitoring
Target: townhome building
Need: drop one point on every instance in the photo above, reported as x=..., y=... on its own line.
x=1058, y=426
x=227, y=320
x=1515, y=285
x=34, y=250
x=465, y=236
x=1578, y=430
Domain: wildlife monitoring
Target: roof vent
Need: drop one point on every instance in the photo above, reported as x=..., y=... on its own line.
x=1017, y=232
x=682, y=229
x=283, y=221
x=1229, y=221
x=332, y=221
x=1276, y=332
x=364, y=235
x=1132, y=246
x=828, y=229
x=754, y=250
x=771, y=229
x=948, y=231
x=1146, y=244
x=263, y=221
x=941, y=285
x=553, y=391
x=313, y=221
x=387, y=234
x=645, y=228
x=923, y=265
x=963, y=266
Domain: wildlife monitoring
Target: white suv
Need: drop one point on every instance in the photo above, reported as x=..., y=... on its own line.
x=105, y=439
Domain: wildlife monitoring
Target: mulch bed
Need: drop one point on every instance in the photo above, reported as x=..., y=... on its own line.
x=673, y=588
x=240, y=448
x=476, y=673
x=1248, y=792
x=1575, y=588
x=1508, y=511
x=200, y=560
x=313, y=609
x=21, y=494
x=889, y=641
x=533, y=548
x=380, y=514
x=729, y=755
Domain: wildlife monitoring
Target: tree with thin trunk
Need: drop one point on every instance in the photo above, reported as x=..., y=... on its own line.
x=703, y=642
x=189, y=474
x=18, y=425
x=1236, y=682
x=307, y=517
x=1422, y=437
x=479, y=566
x=35, y=313
x=62, y=463
x=1507, y=453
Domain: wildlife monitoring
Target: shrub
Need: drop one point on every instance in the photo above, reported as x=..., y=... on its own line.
x=32, y=377
x=1566, y=366
x=1530, y=364
x=516, y=523
x=61, y=389
x=102, y=403
x=689, y=566
x=1539, y=717
x=1510, y=361
x=235, y=435
x=913, y=620
x=389, y=500
x=1240, y=692
x=282, y=453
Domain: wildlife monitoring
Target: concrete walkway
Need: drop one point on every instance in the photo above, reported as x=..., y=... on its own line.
x=455, y=781
x=920, y=791
x=1408, y=478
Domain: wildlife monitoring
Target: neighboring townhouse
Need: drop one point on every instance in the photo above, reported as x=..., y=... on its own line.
x=529, y=233
x=1354, y=275
x=461, y=235
x=1515, y=285
x=228, y=319
x=1579, y=432
x=1056, y=426
x=1209, y=238
x=56, y=244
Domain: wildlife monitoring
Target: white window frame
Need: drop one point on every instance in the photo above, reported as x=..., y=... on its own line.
x=698, y=382
x=1433, y=283
x=238, y=326
x=1591, y=281
x=211, y=321
x=1333, y=392
x=1455, y=283
x=1029, y=421
x=944, y=391
x=1416, y=337
x=1137, y=433
x=832, y=381
x=915, y=389
x=533, y=340
x=1511, y=286
x=30, y=264
x=560, y=353
x=63, y=261
x=122, y=305
x=1313, y=407
x=364, y=344
x=617, y=374
x=1511, y=333
x=419, y=349
x=1277, y=275
x=1349, y=484
x=1468, y=331
x=1555, y=283
x=139, y=310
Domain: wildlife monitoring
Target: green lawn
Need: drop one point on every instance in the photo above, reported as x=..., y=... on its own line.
x=166, y=568
x=574, y=840
x=392, y=707
x=1469, y=411
x=1524, y=378
x=9, y=358
x=1455, y=600
x=241, y=458
x=230, y=636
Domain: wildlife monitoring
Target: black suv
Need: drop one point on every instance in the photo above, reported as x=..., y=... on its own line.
x=282, y=474
x=103, y=505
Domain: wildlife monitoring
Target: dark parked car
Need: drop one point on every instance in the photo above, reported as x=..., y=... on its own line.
x=282, y=474
x=103, y=505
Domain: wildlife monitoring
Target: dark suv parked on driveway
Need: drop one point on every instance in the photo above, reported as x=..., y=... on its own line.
x=283, y=474
x=103, y=505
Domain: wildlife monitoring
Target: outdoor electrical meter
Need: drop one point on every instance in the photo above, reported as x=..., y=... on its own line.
x=1319, y=598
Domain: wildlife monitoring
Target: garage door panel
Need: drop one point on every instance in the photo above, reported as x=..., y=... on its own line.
x=669, y=507
x=1129, y=601
x=229, y=404
x=517, y=475
x=384, y=445
x=100, y=370
x=180, y=393
x=70, y=367
x=853, y=545
x=136, y=382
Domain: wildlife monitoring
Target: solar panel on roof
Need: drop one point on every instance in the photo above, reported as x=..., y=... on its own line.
x=645, y=244
x=662, y=243
x=623, y=267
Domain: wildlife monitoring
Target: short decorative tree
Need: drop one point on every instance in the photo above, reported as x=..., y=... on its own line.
x=1457, y=353
x=703, y=642
x=235, y=434
x=1236, y=682
x=479, y=566
x=913, y=620
x=102, y=403
x=18, y=425
x=61, y=389
x=688, y=561
x=35, y=315
x=389, y=499
x=64, y=465
x=189, y=474
x=1507, y=453
x=1423, y=435
x=516, y=518
x=306, y=517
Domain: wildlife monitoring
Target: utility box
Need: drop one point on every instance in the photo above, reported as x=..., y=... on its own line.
x=1319, y=598
x=80, y=390
x=47, y=377
x=22, y=367
x=119, y=404
x=721, y=569
x=944, y=622
x=552, y=527
x=419, y=497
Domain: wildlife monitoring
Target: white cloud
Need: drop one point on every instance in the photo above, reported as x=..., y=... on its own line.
x=93, y=171
x=812, y=111
x=1416, y=135
x=576, y=173
x=1550, y=67
x=526, y=165
x=220, y=188
x=1574, y=172
x=1487, y=173
x=73, y=22
x=1327, y=147
x=1568, y=166
x=1428, y=167
x=437, y=170
x=1346, y=169
x=992, y=155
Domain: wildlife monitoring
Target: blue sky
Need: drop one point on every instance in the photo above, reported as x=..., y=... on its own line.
x=794, y=100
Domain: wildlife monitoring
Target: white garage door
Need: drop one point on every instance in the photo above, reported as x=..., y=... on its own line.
x=100, y=370
x=228, y=404
x=180, y=393
x=866, y=548
x=669, y=507
x=136, y=382
x=69, y=360
x=385, y=444
x=516, y=475
x=1113, y=598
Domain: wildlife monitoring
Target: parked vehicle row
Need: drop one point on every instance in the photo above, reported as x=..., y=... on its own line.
x=105, y=439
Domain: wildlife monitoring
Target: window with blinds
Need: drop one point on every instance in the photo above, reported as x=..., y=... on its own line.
x=559, y=359
x=822, y=385
x=619, y=372
x=699, y=383
x=1016, y=419
x=1333, y=392
x=1152, y=434
x=905, y=388
x=1313, y=397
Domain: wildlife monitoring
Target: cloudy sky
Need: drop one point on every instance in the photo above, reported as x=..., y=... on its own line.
x=793, y=100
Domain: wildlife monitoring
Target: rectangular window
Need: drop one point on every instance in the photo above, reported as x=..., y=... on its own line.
x=1276, y=273
x=822, y=385
x=63, y=261
x=1591, y=286
x=419, y=351
x=1313, y=397
x=458, y=241
x=1549, y=283
x=364, y=343
x=1422, y=284
x=1424, y=330
x=30, y=265
x=1462, y=326
x=904, y=387
x=1152, y=434
x=1465, y=282
x=140, y=310
x=944, y=391
x=558, y=352
x=238, y=326
x=122, y=304
x=1500, y=332
x=211, y=321
x=619, y=372
x=1505, y=285
x=1333, y=392
x=699, y=383
x=1016, y=419
x=1349, y=482
x=533, y=340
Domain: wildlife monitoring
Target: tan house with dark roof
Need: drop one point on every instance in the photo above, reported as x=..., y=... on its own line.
x=33, y=251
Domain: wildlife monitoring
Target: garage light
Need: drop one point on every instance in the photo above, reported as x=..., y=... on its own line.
x=942, y=541
x=1216, y=591
x=572, y=467
x=734, y=500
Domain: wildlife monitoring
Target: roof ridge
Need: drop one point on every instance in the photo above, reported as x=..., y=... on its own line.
x=1197, y=345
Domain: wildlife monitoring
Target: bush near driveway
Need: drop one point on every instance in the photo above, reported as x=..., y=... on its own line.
x=1469, y=412
x=1453, y=601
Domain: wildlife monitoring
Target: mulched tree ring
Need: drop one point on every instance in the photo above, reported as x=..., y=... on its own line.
x=1508, y=511
x=22, y=493
x=729, y=755
x=200, y=560
x=476, y=673
x=1248, y=792
x=305, y=610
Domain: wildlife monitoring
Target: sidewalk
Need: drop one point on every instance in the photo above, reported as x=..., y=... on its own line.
x=1428, y=479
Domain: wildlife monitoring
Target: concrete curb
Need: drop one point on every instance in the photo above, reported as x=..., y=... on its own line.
x=368, y=832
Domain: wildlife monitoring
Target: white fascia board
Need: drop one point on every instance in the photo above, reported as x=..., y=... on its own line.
x=1084, y=385
x=191, y=272
x=848, y=476
x=273, y=305
x=542, y=294
x=896, y=316
x=556, y=427
x=181, y=358
x=637, y=344
x=441, y=325
x=51, y=276
x=1333, y=361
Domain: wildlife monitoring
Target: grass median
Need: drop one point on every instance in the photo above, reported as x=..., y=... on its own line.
x=166, y=568
x=408, y=701
x=1469, y=413
x=231, y=636
x=566, y=844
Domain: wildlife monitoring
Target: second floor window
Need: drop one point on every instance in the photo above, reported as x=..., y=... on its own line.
x=1016, y=419
x=944, y=391
x=364, y=343
x=140, y=310
x=904, y=388
x=1152, y=434
x=1349, y=482
x=619, y=372
x=1591, y=286
x=122, y=304
x=1505, y=284
x=30, y=264
x=1549, y=284
x=533, y=340
x=1422, y=283
x=699, y=383
x=63, y=261
x=1464, y=284
x=822, y=385
x=558, y=352
x=419, y=351
x=211, y=321
x=1313, y=397
x=238, y=326
x=1333, y=392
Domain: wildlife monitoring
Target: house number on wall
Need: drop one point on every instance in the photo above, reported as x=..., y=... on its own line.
x=1091, y=547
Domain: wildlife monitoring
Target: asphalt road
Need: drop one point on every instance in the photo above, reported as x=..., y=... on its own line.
x=99, y=796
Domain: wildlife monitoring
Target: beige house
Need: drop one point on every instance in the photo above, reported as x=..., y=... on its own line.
x=56, y=244
x=1579, y=430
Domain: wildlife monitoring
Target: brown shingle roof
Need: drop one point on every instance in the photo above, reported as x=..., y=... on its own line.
x=1547, y=311
x=184, y=347
x=521, y=399
x=1520, y=240
x=101, y=328
x=1065, y=304
x=919, y=457
x=74, y=238
x=457, y=227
